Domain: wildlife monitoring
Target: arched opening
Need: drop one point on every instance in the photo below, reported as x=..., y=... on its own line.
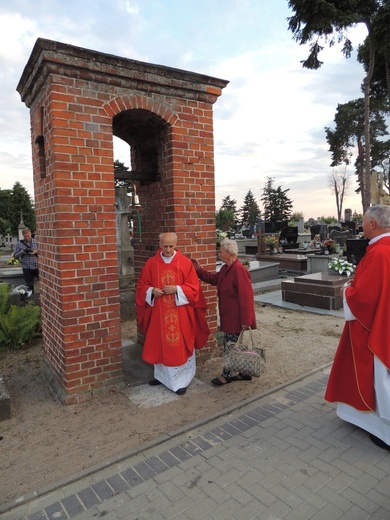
x=138, y=135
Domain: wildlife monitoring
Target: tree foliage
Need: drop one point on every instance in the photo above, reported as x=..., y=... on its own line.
x=348, y=136
x=277, y=205
x=231, y=204
x=224, y=219
x=250, y=209
x=14, y=205
x=327, y=21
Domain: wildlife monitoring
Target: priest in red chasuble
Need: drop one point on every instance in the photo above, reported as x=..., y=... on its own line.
x=171, y=314
x=360, y=377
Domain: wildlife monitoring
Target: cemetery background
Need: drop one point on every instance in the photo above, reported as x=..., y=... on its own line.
x=44, y=441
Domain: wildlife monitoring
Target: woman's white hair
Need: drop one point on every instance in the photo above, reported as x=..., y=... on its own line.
x=230, y=246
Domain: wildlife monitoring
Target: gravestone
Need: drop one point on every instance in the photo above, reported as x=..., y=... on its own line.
x=314, y=230
x=318, y=229
x=340, y=237
x=356, y=248
x=290, y=234
x=336, y=228
x=350, y=224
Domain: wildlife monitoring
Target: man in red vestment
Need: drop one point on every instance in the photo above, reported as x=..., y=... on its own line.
x=171, y=314
x=360, y=377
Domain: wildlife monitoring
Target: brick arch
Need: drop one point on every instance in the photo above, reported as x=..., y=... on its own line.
x=117, y=105
x=73, y=94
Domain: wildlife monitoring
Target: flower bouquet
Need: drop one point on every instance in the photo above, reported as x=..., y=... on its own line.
x=23, y=291
x=271, y=241
x=341, y=266
x=316, y=242
x=13, y=260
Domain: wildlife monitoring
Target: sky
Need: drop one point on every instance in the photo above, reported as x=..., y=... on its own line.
x=270, y=119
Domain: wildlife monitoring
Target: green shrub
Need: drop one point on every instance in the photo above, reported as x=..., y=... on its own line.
x=4, y=298
x=18, y=325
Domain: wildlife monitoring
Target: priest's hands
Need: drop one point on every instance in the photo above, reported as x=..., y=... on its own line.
x=167, y=289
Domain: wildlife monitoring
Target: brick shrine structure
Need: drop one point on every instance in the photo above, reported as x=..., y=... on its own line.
x=78, y=100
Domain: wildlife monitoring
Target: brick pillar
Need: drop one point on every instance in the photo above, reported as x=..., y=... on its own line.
x=78, y=99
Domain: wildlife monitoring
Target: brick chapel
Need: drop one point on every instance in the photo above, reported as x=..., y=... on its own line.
x=78, y=100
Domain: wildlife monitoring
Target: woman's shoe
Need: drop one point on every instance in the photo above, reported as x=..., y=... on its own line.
x=217, y=381
x=243, y=377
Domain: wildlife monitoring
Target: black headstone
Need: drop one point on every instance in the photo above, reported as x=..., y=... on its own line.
x=356, y=249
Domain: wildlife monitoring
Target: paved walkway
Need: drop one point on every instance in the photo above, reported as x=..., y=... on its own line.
x=282, y=455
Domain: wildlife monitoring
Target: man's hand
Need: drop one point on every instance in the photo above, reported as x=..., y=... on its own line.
x=169, y=289
x=157, y=292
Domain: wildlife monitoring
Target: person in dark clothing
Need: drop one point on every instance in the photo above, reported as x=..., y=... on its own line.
x=27, y=250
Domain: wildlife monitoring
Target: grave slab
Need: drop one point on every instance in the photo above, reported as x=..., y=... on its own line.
x=288, y=261
x=320, y=290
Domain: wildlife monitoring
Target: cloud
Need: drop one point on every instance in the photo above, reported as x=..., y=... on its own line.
x=270, y=119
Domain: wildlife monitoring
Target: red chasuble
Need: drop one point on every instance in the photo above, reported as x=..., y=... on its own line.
x=171, y=331
x=351, y=380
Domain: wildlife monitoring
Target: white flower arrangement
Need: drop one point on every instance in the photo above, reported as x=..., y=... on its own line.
x=341, y=266
x=23, y=290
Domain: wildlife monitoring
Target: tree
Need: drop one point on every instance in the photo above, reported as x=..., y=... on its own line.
x=14, y=205
x=277, y=205
x=224, y=217
x=119, y=167
x=5, y=211
x=348, y=136
x=315, y=21
x=339, y=182
x=231, y=204
x=250, y=209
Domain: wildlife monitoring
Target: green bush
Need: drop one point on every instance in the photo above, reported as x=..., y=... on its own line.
x=4, y=298
x=18, y=325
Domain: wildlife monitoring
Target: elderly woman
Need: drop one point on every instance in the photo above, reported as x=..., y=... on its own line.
x=235, y=299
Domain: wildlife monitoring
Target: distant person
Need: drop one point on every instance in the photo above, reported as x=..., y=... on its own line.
x=235, y=301
x=27, y=250
x=171, y=313
x=360, y=377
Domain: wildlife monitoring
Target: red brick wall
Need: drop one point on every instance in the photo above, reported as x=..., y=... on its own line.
x=73, y=100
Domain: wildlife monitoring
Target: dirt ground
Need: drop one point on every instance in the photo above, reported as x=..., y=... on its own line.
x=44, y=441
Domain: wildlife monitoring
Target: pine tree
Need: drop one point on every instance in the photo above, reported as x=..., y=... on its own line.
x=250, y=209
x=231, y=205
x=277, y=206
x=22, y=206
